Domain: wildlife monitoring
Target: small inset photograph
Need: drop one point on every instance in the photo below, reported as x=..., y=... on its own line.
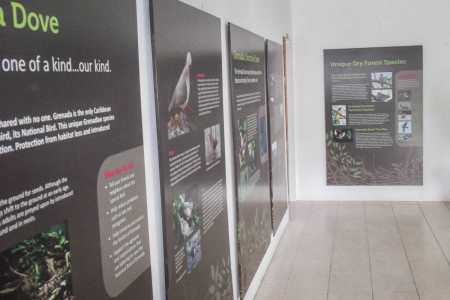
x=339, y=115
x=404, y=106
x=179, y=102
x=274, y=153
x=404, y=115
x=404, y=138
x=243, y=184
x=263, y=135
x=185, y=214
x=251, y=157
x=381, y=96
x=38, y=267
x=242, y=126
x=404, y=127
x=193, y=251
x=343, y=135
x=212, y=141
x=404, y=95
x=381, y=80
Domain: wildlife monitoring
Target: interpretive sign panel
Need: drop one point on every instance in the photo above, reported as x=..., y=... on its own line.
x=277, y=130
x=188, y=66
x=251, y=149
x=374, y=116
x=73, y=210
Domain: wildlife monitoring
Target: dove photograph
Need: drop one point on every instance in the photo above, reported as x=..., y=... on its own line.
x=178, y=121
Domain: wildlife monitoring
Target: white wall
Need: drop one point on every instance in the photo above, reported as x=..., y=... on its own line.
x=268, y=18
x=333, y=24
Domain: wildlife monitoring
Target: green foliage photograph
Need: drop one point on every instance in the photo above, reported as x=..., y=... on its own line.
x=38, y=267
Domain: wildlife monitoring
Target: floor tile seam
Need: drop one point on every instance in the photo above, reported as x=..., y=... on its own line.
x=406, y=253
x=296, y=250
x=332, y=250
x=439, y=244
x=368, y=249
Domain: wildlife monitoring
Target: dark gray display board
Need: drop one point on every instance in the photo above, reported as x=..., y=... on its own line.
x=277, y=129
x=251, y=149
x=374, y=116
x=188, y=66
x=73, y=210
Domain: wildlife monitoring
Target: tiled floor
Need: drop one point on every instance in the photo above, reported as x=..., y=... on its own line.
x=362, y=250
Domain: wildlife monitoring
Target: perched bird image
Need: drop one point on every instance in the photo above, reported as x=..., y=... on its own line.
x=180, y=96
x=215, y=143
x=404, y=106
x=404, y=96
x=337, y=115
x=380, y=97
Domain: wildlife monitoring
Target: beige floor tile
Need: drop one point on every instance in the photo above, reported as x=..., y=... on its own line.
x=446, y=251
x=342, y=238
x=441, y=234
x=269, y=294
x=294, y=230
x=351, y=230
x=313, y=281
x=412, y=237
x=297, y=294
x=419, y=267
x=421, y=253
x=348, y=265
x=349, y=295
x=399, y=203
x=434, y=296
x=384, y=203
x=351, y=202
x=317, y=241
x=382, y=253
x=318, y=224
x=381, y=223
x=350, y=239
x=275, y=280
x=385, y=242
x=280, y=265
x=393, y=283
x=432, y=283
x=377, y=295
x=439, y=224
x=305, y=252
x=400, y=267
x=307, y=265
x=317, y=234
x=356, y=253
x=351, y=223
x=385, y=230
x=350, y=282
x=414, y=222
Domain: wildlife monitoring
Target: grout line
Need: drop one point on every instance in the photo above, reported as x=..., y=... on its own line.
x=368, y=249
x=447, y=203
x=296, y=250
x=404, y=249
x=332, y=249
x=435, y=237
